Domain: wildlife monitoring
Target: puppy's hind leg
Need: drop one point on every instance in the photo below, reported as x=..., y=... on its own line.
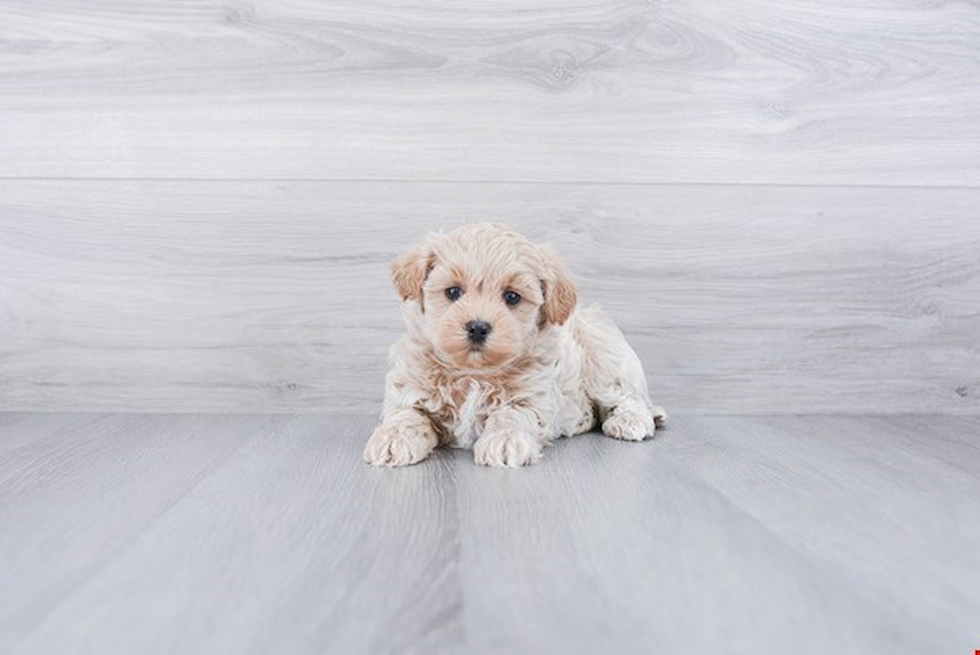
x=614, y=379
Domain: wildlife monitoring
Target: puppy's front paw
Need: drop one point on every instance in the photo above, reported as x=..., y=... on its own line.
x=631, y=424
x=506, y=448
x=399, y=444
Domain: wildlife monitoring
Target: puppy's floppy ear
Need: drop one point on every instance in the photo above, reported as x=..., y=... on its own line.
x=409, y=271
x=560, y=296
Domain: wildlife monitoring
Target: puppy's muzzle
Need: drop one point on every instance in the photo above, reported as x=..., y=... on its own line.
x=477, y=331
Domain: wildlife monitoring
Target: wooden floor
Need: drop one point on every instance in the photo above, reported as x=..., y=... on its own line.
x=257, y=534
x=778, y=202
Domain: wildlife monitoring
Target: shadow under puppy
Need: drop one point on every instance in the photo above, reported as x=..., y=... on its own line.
x=497, y=358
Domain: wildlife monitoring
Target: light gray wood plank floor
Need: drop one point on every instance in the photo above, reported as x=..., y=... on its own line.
x=259, y=534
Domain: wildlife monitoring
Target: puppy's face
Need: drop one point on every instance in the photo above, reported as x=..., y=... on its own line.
x=484, y=293
x=476, y=320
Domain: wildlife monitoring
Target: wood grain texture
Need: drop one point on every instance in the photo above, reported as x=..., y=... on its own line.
x=804, y=92
x=83, y=487
x=160, y=534
x=274, y=296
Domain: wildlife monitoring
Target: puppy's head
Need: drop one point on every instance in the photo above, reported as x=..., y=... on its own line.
x=483, y=294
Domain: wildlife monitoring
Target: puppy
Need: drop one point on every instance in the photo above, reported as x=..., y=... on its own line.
x=497, y=358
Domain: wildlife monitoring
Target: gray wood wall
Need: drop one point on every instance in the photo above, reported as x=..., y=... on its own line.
x=779, y=202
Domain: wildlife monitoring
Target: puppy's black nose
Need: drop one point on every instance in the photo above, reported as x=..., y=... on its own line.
x=477, y=331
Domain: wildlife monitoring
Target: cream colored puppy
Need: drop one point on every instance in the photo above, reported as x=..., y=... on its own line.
x=497, y=358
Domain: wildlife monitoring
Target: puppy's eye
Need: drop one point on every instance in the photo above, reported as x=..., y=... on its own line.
x=512, y=297
x=453, y=293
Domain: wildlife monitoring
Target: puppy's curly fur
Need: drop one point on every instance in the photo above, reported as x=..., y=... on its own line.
x=497, y=358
